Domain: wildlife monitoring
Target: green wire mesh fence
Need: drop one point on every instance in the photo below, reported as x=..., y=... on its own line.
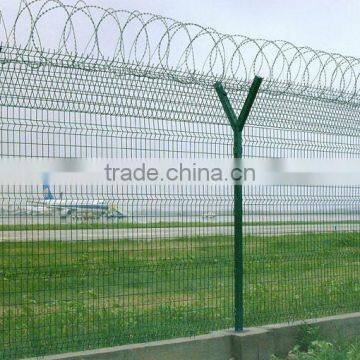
x=69, y=282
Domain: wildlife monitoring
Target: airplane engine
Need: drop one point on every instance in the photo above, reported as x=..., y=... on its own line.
x=65, y=213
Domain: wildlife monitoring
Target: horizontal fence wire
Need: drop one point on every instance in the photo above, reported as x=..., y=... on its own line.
x=156, y=262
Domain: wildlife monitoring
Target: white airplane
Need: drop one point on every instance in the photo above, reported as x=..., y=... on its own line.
x=79, y=208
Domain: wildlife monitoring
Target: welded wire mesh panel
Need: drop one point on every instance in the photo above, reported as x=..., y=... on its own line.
x=301, y=252
x=155, y=262
x=75, y=283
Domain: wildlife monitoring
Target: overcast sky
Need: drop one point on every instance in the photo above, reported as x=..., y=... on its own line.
x=331, y=25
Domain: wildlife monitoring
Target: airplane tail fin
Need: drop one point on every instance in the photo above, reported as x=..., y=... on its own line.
x=46, y=188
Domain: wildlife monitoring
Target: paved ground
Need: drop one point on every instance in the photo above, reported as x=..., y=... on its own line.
x=151, y=234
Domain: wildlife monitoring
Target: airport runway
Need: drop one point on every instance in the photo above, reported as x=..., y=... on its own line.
x=153, y=234
x=11, y=219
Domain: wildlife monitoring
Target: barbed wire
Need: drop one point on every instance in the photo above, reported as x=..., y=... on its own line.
x=151, y=40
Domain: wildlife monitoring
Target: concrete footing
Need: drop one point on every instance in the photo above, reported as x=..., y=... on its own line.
x=251, y=344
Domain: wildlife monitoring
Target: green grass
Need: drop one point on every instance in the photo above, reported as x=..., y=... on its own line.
x=125, y=224
x=324, y=350
x=68, y=296
x=122, y=224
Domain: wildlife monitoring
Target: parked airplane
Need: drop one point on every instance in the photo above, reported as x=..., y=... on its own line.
x=78, y=208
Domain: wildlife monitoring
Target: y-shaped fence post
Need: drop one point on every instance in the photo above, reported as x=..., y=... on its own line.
x=237, y=124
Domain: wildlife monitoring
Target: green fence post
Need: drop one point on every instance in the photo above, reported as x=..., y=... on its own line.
x=237, y=125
